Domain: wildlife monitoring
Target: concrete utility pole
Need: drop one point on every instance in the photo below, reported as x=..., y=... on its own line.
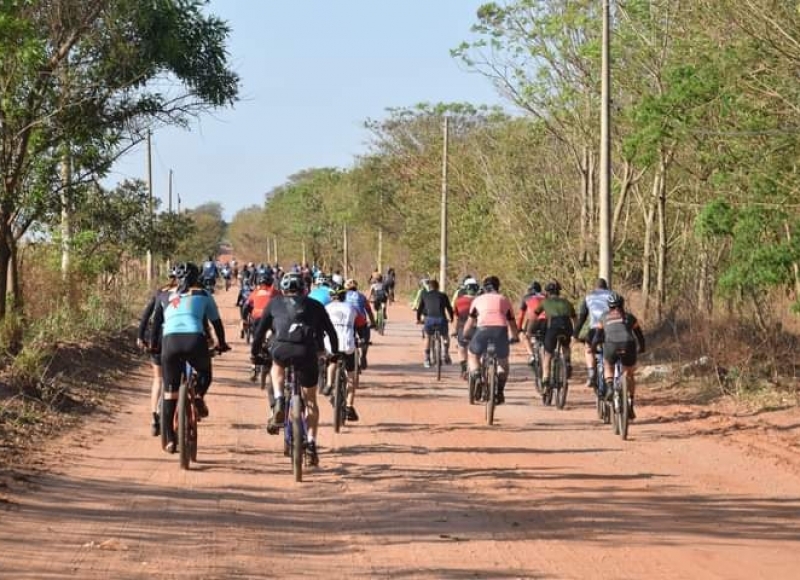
x=443, y=242
x=169, y=206
x=606, y=259
x=150, y=205
x=345, y=260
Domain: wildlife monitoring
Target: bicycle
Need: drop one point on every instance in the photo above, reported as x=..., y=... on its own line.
x=339, y=393
x=248, y=329
x=536, y=362
x=436, y=350
x=263, y=363
x=558, y=375
x=186, y=417
x=620, y=400
x=295, y=426
x=380, y=318
x=490, y=370
x=603, y=405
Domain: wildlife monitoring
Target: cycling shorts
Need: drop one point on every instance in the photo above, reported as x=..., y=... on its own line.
x=485, y=334
x=552, y=335
x=303, y=357
x=434, y=322
x=626, y=352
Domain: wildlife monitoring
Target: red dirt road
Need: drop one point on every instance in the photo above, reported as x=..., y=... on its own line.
x=419, y=488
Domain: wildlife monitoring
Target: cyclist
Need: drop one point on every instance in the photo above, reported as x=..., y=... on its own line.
x=241, y=301
x=143, y=341
x=529, y=323
x=208, y=279
x=298, y=325
x=592, y=309
x=322, y=289
x=423, y=287
x=378, y=295
x=365, y=319
x=226, y=275
x=619, y=331
x=180, y=327
x=461, y=309
x=436, y=308
x=460, y=291
x=492, y=317
x=560, y=316
x=257, y=303
x=337, y=281
x=343, y=317
x=390, y=281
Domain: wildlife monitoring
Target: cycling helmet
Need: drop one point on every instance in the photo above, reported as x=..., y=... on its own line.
x=553, y=288
x=351, y=284
x=188, y=274
x=471, y=286
x=292, y=282
x=323, y=280
x=491, y=284
x=264, y=277
x=173, y=271
x=535, y=287
x=615, y=300
x=337, y=280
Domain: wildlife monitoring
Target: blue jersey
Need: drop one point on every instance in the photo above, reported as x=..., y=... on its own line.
x=321, y=294
x=357, y=300
x=186, y=313
x=210, y=270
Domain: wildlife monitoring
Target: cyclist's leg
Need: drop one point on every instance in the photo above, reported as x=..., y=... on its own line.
x=155, y=392
x=350, y=367
x=549, y=347
x=171, y=364
x=476, y=348
x=527, y=330
x=609, y=360
x=444, y=330
x=462, y=348
x=278, y=376
x=427, y=333
x=307, y=375
x=629, y=368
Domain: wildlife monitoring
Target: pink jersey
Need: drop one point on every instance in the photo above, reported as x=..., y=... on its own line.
x=492, y=309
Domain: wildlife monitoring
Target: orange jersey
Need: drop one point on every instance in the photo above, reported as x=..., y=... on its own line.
x=528, y=307
x=259, y=300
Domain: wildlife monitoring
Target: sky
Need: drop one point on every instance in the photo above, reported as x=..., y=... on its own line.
x=312, y=71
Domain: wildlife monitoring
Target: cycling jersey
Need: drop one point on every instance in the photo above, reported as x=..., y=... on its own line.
x=186, y=313
x=209, y=271
x=321, y=294
x=462, y=306
x=492, y=309
x=618, y=327
x=594, y=306
x=260, y=299
x=435, y=304
x=343, y=317
x=377, y=292
x=528, y=306
x=358, y=301
x=559, y=311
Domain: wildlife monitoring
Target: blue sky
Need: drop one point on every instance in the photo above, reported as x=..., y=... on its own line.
x=312, y=71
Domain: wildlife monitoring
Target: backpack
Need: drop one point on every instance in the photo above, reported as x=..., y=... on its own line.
x=297, y=331
x=379, y=293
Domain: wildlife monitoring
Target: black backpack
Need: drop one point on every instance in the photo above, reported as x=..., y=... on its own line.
x=297, y=331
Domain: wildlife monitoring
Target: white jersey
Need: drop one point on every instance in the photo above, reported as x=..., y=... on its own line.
x=343, y=317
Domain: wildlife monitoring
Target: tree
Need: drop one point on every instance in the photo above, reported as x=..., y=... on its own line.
x=82, y=79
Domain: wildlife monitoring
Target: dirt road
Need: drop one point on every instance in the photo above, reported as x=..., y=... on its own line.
x=420, y=488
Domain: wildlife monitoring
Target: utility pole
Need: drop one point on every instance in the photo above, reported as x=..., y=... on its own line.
x=150, y=205
x=443, y=242
x=606, y=259
x=380, y=236
x=275, y=248
x=179, y=202
x=345, y=260
x=169, y=206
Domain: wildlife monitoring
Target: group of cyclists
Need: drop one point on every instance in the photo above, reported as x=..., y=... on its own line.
x=300, y=317
x=308, y=319
x=483, y=315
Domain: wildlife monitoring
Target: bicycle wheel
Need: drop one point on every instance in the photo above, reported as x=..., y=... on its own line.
x=555, y=379
x=563, y=385
x=183, y=425
x=163, y=421
x=437, y=346
x=338, y=401
x=357, y=371
x=379, y=321
x=295, y=412
x=624, y=407
x=614, y=407
x=491, y=387
x=472, y=382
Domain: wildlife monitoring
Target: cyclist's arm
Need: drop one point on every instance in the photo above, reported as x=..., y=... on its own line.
x=582, y=316
x=448, y=307
x=523, y=308
x=472, y=320
x=637, y=331
x=212, y=314
x=264, y=324
x=145, y=318
x=158, y=325
x=329, y=330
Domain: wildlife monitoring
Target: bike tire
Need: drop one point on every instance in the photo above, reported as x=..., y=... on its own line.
x=615, y=409
x=295, y=411
x=563, y=386
x=492, y=387
x=438, y=350
x=183, y=425
x=624, y=408
x=263, y=377
x=471, y=384
x=338, y=403
x=163, y=420
x=357, y=371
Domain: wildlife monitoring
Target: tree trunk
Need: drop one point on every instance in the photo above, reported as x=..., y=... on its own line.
x=66, y=213
x=5, y=260
x=585, y=202
x=14, y=274
x=647, y=250
x=662, y=240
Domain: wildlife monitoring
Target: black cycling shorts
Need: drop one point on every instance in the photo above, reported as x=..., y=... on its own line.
x=626, y=352
x=179, y=348
x=552, y=335
x=303, y=357
x=496, y=334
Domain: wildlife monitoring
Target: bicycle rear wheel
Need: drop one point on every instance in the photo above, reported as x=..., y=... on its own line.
x=492, y=388
x=563, y=384
x=183, y=425
x=472, y=383
x=339, y=414
x=624, y=407
x=437, y=346
x=295, y=411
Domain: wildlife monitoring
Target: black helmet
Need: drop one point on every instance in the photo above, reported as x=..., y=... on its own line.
x=491, y=284
x=535, y=287
x=264, y=277
x=292, y=282
x=615, y=300
x=553, y=288
x=188, y=274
